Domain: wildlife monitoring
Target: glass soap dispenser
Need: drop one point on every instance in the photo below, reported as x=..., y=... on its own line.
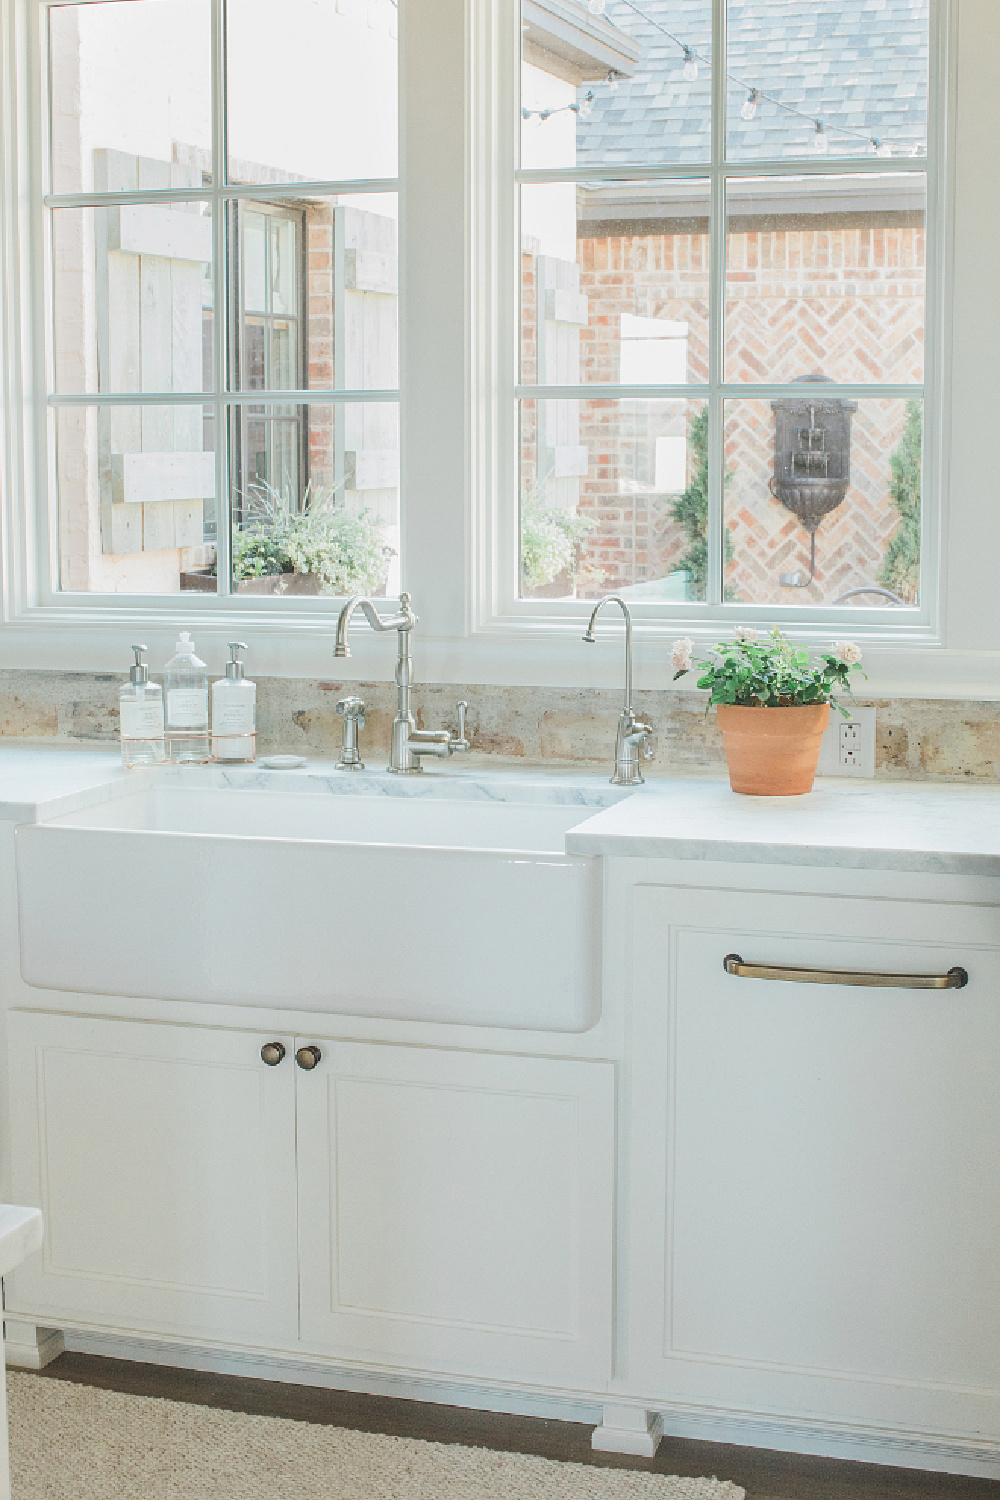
x=187, y=704
x=140, y=717
x=234, y=712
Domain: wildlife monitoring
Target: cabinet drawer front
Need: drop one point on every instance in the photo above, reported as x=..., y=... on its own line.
x=163, y=1160
x=456, y=1211
x=829, y=1150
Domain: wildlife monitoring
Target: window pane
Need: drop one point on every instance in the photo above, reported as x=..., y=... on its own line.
x=613, y=495
x=860, y=69
x=825, y=278
x=843, y=474
x=315, y=501
x=312, y=89
x=615, y=82
x=132, y=288
x=614, y=283
x=317, y=287
x=130, y=95
x=136, y=490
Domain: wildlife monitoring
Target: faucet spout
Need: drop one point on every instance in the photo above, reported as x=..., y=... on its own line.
x=404, y=620
x=590, y=637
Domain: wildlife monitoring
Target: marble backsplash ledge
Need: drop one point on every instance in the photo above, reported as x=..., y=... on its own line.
x=917, y=739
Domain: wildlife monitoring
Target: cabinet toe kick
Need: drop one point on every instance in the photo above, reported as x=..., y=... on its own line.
x=628, y=1429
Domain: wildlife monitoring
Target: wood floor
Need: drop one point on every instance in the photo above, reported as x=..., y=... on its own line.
x=764, y=1475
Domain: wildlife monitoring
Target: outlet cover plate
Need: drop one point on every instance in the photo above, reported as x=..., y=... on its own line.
x=858, y=759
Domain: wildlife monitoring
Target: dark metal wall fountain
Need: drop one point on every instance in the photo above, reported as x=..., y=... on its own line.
x=812, y=461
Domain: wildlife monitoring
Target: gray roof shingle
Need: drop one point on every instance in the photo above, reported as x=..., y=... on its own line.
x=857, y=63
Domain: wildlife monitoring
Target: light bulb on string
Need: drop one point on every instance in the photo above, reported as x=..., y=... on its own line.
x=749, y=108
x=821, y=141
x=612, y=81
x=585, y=106
x=690, y=65
x=596, y=7
x=882, y=148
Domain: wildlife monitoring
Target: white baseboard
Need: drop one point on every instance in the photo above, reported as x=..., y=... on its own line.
x=324, y=1373
x=942, y=1454
x=937, y=1453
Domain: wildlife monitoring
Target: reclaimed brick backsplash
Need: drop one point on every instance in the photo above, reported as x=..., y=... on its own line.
x=916, y=738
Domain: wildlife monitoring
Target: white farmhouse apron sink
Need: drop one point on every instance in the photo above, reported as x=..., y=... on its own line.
x=414, y=907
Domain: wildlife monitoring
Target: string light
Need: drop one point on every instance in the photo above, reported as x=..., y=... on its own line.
x=882, y=148
x=750, y=105
x=596, y=7
x=690, y=65
x=612, y=81
x=583, y=108
x=821, y=141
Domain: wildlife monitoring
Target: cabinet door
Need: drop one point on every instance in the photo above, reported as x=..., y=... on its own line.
x=829, y=1152
x=163, y=1159
x=455, y=1211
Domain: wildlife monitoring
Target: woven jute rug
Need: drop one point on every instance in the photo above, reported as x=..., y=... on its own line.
x=72, y=1442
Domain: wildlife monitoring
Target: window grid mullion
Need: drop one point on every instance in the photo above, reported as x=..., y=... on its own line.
x=716, y=310
x=220, y=307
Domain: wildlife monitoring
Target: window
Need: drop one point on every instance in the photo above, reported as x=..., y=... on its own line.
x=632, y=437
x=223, y=370
x=723, y=267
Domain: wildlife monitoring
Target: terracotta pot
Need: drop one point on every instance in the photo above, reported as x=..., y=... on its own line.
x=772, y=752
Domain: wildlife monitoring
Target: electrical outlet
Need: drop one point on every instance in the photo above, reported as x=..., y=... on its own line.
x=848, y=747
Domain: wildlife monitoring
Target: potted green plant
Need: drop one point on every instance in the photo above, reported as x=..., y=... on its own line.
x=773, y=701
x=317, y=547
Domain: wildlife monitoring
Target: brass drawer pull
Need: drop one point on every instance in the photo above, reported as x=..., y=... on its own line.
x=955, y=979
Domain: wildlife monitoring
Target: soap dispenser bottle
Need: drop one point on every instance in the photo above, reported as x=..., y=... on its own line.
x=140, y=717
x=234, y=712
x=187, y=704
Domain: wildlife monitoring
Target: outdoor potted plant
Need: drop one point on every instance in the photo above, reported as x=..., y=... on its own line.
x=773, y=702
x=316, y=547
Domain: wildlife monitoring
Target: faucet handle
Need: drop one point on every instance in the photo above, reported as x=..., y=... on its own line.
x=352, y=708
x=462, y=740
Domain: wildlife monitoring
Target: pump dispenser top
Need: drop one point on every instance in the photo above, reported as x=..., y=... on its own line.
x=234, y=667
x=139, y=671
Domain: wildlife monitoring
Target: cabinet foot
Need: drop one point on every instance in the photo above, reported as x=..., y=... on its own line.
x=628, y=1429
x=28, y=1347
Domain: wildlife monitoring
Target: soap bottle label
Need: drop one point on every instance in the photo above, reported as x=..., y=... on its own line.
x=232, y=713
x=142, y=721
x=187, y=708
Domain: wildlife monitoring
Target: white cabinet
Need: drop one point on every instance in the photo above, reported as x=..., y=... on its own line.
x=456, y=1211
x=437, y=1209
x=815, y=1194
x=162, y=1159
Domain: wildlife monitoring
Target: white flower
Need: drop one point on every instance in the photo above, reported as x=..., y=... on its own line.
x=681, y=655
x=847, y=652
x=745, y=633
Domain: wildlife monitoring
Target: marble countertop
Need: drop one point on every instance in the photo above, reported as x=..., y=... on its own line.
x=927, y=827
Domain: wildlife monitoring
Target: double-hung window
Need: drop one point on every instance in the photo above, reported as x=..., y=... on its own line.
x=729, y=308
x=221, y=369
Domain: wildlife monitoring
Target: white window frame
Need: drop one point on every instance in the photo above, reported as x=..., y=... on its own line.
x=459, y=338
x=501, y=608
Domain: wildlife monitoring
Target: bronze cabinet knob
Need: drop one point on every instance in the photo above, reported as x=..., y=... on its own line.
x=308, y=1057
x=272, y=1053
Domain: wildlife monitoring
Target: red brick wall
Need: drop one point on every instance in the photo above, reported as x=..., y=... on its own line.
x=846, y=303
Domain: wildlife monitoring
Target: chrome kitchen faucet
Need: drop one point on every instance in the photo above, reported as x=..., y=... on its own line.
x=408, y=742
x=633, y=735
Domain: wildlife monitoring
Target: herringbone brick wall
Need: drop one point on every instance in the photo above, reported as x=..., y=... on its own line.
x=845, y=303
